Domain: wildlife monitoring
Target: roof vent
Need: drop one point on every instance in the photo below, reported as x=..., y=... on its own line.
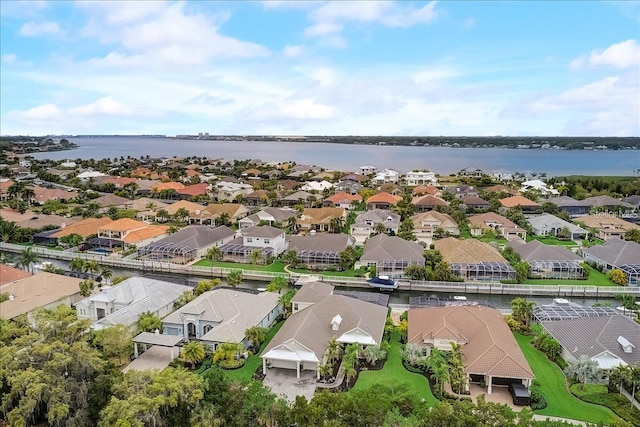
x=627, y=346
x=12, y=297
x=335, y=322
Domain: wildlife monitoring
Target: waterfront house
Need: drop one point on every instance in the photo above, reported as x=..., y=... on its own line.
x=42, y=290
x=382, y=200
x=84, y=228
x=365, y=224
x=368, y=170
x=480, y=223
x=309, y=294
x=275, y=217
x=609, y=340
x=428, y=202
x=269, y=241
x=415, y=177
x=126, y=232
x=189, y=243
x=386, y=176
x=302, y=341
x=491, y=354
x=343, y=200
x=606, y=226
x=539, y=186
x=125, y=302
x=320, y=250
x=34, y=220
x=320, y=219
x=471, y=172
x=223, y=315
x=551, y=225
x=425, y=225
x=548, y=261
x=391, y=255
x=570, y=205
x=616, y=253
x=471, y=259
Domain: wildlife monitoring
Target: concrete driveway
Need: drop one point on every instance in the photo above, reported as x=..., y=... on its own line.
x=156, y=357
x=283, y=383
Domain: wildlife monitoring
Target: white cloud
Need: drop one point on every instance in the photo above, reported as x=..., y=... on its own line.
x=621, y=55
x=322, y=28
x=33, y=29
x=9, y=58
x=387, y=13
x=102, y=107
x=292, y=51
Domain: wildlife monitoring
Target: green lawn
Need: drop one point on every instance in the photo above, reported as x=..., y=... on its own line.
x=245, y=373
x=596, y=278
x=554, y=388
x=394, y=372
x=276, y=267
x=552, y=241
x=347, y=273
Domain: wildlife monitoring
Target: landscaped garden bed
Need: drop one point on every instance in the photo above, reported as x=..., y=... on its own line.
x=600, y=395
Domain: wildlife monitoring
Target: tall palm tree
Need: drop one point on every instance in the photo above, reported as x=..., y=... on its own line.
x=234, y=278
x=8, y=230
x=223, y=219
x=77, y=264
x=214, y=254
x=194, y=353
x=27, y=259
x=256, y=335
x=92, y=267
x=522, y=310
x=277, y=284
x=334, y=350
x=256, y=254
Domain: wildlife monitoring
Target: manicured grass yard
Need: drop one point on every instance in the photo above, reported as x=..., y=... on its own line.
x=276, y=267
x=554, y=388
x=552, y=241
x=595, y=279
x=394, y=373
x=245, y=373
x=347, y=273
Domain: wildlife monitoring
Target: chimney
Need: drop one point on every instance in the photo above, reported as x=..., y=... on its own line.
x=335, y=322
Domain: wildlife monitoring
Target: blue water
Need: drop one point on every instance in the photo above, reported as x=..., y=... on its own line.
x=346, y=157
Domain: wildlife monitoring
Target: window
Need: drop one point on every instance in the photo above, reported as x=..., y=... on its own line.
x=249, y=239
x=266, y=241
x=83, y=312
x=295, y=306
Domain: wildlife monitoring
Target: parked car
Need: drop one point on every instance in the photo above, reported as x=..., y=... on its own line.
x=520, y=394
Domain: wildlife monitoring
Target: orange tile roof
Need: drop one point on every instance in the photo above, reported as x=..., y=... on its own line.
x=141, y=172
x=426, y=189
x=146, y=233
x=513, y=201
x=190, y=206
x=429, y=200
x=9, y=274
x=343, y=198
x=194, y=190
x=84, y=228
x=124, y=224
x=191, y=173
x=320, y=215
x=384, y=197
x=171, y=185
x=254, y=172
x=4, y=185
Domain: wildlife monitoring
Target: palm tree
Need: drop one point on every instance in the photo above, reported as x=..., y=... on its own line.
x=439, y=367
x=182, y=214
x=458, y=377
x=277, y=284
x=350, y=372
x=227, y=351
x=194, y=353
x=334, y=350
x=77, y=264
x=373, y=353
x=148, y=322
x=522, y=310
x=162, y=215
x=256, y=335
x=27, y=259
x=584, y=369
x=256, y=254
x=106, y=273
x=285, y=301
x=92, y=267
x=336, y=224
x=234, y=278
x=223, y=219
x=214, y=254
x=86, y=287
x=379, y=228
x=292, y=224
x=8, y=230
x=290, y=257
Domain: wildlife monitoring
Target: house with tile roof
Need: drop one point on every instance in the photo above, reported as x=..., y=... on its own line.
x=504, y=227
x=41, y=290
x=520, y=201
x=319, y=219
x=191, y=242
x=258, y=198
x=425, y=225
x=365, y=224
x=213, y=211
x=125, y=302
x=190, y=191
x=471, y=172
x=112, y=200
x=616, y=253
x=85, y=228
x=223, y=315
x=4, y=188
x=320, y=250
x=548, y=261
x=126, y=232
x=301, y=342
x=275, y=217
x=570, y=205
x=415, y=177
x=606, y=226
x=382, y=200
x=474, y=260
x=491, y=354
x=461, y=190
x=550, y=225
x=167, y=186
x=42, y=194
x=428, y=202
x=34, y=220
x=500, y=188
x=391, y=255
x=421, y=190
x=343, y=200
x=10, y=274
x=610, y=341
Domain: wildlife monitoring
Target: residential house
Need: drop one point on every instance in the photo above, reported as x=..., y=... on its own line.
x=343, y=200
x=539, y=186
x=90, y=175
x=570, y=205
x=610, y=341
x=316, y=186
x=633, y=200
x=275, y=217
x=4, y=188
x=309, y=294
x=347, y=186
x=491, y=354
x=502, y=175
x=616, y=253
x=421, y=190
x=368, y=170
x=320, y=251
x=551, y=225
x=391, y=255
x=504, y=227
x=382, y=200
x=607, y=202
x=41, y=290
x=461, y=190
x=258, y=198
x=320, y=219
x=226, y=191
x=212, y=213
x=41, y=195
x=193, y=191
x=84, y=228
x=223, y=315
x=146, y=208
x=191, y=242
x=325, y=176
x=269, y=241
x=428, y=202
x=606, y=226
x=500, y=188
x=365, y=224
x=426, y=224
x=525, y=204
x=548, y=261
x=471, y=172
x=473, y=260
x=475, y=202
x=125, y=302
x=386, y=176
x=415, y=177
x=301, y=198
x=34, y=220
x=167, y=190
x=11, y=274
x=111, y=200
x=302, y=341
x=126, y=232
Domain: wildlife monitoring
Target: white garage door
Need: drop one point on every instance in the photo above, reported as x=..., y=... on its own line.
x=286, y=364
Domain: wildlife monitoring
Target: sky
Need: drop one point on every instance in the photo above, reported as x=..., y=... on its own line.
x=454, y=68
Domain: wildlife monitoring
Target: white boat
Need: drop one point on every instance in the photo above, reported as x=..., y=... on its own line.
x=459, y=298
x=383, y=283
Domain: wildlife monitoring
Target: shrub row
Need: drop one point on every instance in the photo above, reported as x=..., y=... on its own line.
x=598, y=394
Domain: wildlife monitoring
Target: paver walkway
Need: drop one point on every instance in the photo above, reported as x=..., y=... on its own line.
x=283, y=383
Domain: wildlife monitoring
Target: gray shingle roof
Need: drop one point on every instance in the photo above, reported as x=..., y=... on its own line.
x=263, y=231
x=593, y=335
x=320, y=242
x=616, y=252
x=565, y=201
x=606, y=201
x=313, y=292
x=537, y=251
x=197, y=236
x=378, y=216
x=389, y=248
x=548, y=221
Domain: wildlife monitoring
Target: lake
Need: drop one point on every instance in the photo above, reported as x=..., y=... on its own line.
x=347, y=157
